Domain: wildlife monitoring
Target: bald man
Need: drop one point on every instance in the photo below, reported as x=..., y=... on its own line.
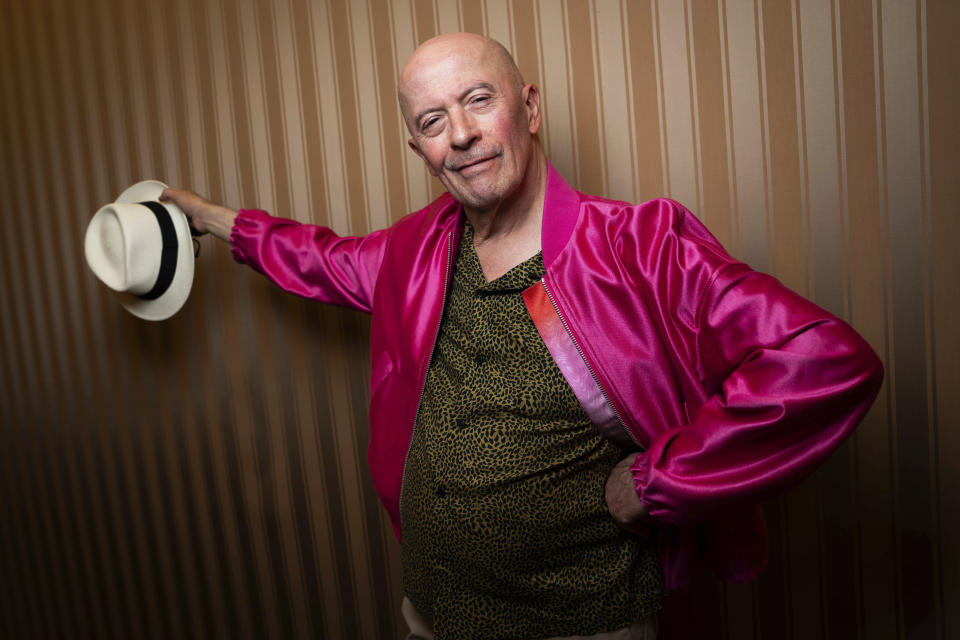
x=575, y=402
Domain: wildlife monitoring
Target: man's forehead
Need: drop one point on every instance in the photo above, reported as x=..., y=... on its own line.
x=447, y=63
x=467, y=55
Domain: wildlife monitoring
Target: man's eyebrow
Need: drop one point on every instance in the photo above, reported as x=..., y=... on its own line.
x=466, y=92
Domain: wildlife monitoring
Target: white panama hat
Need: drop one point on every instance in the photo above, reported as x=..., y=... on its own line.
x=142, y=249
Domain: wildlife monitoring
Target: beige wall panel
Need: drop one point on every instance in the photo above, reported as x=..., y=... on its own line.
x=749, y=152
x=418, y=180
x=448, y=17
x=682, y=169
x=712, y=117
x=557, y=131
x=942, y=62
x=827, y=253
x=497, y=21
x=220, y=94
x=293, y=116
x=905, y=161
x=614, y=103
x=368, y=102
x=337, y=213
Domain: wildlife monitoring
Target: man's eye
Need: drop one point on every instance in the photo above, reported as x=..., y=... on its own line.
x=428, y=123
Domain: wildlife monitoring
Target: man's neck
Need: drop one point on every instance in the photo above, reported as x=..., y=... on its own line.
x=510, y=233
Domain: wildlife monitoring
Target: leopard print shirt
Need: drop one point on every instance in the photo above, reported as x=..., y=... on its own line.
x=506, y=533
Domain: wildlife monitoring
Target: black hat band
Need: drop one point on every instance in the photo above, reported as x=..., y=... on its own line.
x=168, y=257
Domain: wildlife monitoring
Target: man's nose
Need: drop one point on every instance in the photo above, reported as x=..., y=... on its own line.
x=463, y=129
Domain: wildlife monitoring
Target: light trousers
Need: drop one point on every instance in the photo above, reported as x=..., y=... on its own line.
x=421, y=629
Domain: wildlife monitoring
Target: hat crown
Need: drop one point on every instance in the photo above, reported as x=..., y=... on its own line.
x=123, y=247
x=140, y=248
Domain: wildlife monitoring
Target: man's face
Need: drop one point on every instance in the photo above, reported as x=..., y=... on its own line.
x=471, y=122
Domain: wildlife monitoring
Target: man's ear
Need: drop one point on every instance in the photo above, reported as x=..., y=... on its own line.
x=531, y=100
x=416, y=150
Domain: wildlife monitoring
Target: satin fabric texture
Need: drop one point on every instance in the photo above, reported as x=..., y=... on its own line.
x=731, y=387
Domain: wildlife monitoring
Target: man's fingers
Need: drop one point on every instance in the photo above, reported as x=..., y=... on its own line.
x=203, y=215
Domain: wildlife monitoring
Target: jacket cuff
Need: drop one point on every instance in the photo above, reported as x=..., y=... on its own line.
x=641, y=473
x=245, y=227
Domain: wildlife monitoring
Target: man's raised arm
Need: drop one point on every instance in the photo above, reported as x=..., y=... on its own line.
x=304, y=259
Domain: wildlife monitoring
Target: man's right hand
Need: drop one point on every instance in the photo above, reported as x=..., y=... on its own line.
x=204, y=216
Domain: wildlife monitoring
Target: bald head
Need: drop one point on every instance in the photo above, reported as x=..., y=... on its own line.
x=486, y=54
x=473, y=121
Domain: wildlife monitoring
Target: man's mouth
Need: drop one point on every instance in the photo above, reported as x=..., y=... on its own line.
x=474, y=162
x=474, y=165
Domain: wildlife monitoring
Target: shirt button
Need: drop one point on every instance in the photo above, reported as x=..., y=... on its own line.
x=479, y=359
x=441, y=491
x=461, y=425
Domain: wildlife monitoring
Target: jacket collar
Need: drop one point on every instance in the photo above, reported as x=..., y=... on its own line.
x=561, y=209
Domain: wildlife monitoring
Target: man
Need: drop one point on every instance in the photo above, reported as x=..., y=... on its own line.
x=566, y=391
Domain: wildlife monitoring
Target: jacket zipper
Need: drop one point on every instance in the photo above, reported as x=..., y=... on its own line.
x=436, y=333
x=593, y=374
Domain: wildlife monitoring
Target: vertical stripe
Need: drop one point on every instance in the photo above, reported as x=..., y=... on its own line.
x=373, y=570
x=584, y=92
x=471, y=15
x=862, y=195
x=784, y=162
x=227, y=413
x=734, y=245
x=890, y=336
x=712, y=111
x=194, y=506
x=760, y=43
x=13, y=614
x=72, y=534
x=34, y=491
x=52, y=479
x=942, y=65
x=138, y=458
x=448, y=17
x=785, y=177
x=425, y=27
x=526, y=45
x=557, y=129
x=253, y=438
x=903, y=161
x=392, y=131
x=747, y=132
x=613, y=102
x=309, y=522
x=640, y=39
x=497, y=25
x=836, y=499
x=113, y=555
x=369, y=119
x=694, y=108
x=928, y=311
x=677, y=99
x=275, y=492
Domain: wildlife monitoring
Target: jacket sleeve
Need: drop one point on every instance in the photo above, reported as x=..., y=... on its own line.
x=786, y=382
x=309, y=260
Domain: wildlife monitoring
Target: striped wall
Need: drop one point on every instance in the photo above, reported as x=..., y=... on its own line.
x=205, y=476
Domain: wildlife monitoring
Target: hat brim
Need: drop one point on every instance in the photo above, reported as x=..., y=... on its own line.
x=176, y=295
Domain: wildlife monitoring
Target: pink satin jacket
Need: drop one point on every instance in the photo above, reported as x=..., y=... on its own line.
x=732, y=387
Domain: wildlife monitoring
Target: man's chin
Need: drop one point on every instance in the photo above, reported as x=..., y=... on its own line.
x=473, y=199
x=478, y=203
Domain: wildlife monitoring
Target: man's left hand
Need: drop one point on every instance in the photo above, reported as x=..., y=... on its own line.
x=622, y=499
